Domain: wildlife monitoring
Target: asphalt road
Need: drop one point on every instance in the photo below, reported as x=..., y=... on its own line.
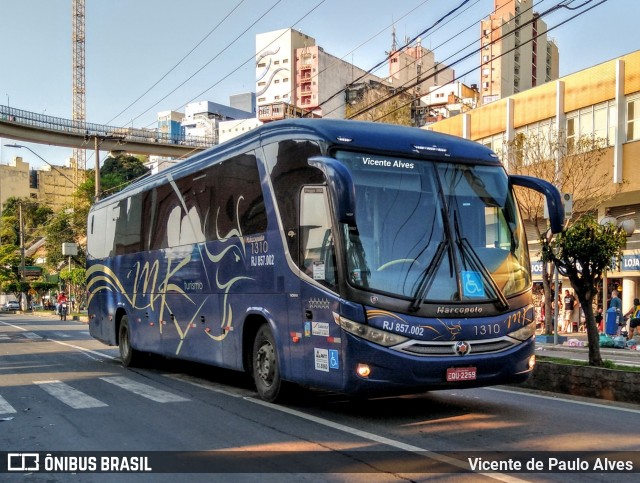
x=62, y=391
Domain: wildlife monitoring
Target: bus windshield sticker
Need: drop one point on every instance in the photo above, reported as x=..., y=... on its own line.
x=322, y=359
x=472, y=284
x=320, y=328
x=318, y=270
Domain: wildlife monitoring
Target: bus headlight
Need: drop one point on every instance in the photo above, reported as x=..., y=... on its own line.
x=524, y=332
x=369, y=333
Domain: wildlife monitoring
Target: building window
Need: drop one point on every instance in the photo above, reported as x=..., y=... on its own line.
x=633, y=118
x=597, y=122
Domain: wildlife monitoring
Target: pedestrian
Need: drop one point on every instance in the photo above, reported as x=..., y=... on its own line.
x=616, y=303
x=568, y=304
x=635, y=317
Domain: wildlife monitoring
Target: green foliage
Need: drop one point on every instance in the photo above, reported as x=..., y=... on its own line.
x=74, y=281
x=63, y=228
x=118, y=172
x=585, y=250
x=582, y=253
x=9, y=262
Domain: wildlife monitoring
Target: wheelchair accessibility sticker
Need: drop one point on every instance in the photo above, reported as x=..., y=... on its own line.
x=334, y=361
x=472, y=285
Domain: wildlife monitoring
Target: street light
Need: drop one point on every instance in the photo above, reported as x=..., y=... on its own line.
x=18, y=146
x=628, y=226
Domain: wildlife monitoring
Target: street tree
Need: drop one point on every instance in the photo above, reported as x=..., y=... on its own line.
x=574, y=166
x=75, y=283
x=34, y=216
x=9, y=263
x=63, y=227
x=582, y=253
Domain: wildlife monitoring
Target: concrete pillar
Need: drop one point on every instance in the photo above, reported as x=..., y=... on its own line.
x=629, y=292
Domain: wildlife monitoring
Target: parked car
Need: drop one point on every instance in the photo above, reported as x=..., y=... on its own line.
x=12, y=305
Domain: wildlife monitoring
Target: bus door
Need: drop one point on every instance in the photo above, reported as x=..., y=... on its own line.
x=318, y=286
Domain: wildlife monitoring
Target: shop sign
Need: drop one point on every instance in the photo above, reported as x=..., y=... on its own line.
x=630, y=263
x=536, y=268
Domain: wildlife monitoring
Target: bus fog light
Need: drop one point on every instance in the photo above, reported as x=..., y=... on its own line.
x=532, y=361
x=363, y=370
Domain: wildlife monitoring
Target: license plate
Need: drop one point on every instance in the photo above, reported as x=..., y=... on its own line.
x=455, y=374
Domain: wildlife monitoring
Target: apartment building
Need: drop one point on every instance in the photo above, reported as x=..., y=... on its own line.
x=296, y=77
x=516, y=53
x=52, y=186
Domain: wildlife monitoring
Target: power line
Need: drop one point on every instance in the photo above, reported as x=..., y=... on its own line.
x=179, y=62
x=510, y=50
x=341, y=91
x=351, y=51
x=465, y=57
x=260, y=17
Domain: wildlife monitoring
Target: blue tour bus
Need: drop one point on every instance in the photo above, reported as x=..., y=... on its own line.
x=360, y=258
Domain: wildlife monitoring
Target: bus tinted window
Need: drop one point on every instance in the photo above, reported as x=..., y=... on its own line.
x=128, y=237
x=221, y=201
x=289, y=170
x=238, y=205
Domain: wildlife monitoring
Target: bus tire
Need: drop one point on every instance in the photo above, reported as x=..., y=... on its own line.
x=265, y=368
x=130, y=357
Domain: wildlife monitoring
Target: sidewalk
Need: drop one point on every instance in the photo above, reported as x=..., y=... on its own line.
x=564, y=339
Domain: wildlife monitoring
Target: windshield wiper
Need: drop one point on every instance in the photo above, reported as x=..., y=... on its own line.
x=469, y=255
x=428, y=276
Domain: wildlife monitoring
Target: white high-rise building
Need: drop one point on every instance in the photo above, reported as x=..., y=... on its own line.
x=516, y=53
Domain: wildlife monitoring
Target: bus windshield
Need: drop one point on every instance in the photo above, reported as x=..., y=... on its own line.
x=431, y=231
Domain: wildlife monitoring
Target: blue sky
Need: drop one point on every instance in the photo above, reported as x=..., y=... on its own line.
x=132, y=44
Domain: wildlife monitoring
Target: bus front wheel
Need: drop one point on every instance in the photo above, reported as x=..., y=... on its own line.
x=128, y=354
x=266, y=372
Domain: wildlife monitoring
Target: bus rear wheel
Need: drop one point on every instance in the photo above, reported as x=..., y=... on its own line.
x=265, y=368
x=130, y=357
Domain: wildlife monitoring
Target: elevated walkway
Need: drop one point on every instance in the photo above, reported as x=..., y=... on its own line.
x=38, y=128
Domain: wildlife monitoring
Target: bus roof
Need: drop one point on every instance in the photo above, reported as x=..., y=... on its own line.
x=352, y=135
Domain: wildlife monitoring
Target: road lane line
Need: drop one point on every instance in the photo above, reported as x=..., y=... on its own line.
x=5, y=407
x=69, y=395
x=210, y=386
x=144, y=390
x=384, y=440
x=563, y=399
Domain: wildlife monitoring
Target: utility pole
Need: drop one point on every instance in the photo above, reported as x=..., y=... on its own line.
x=97, y=178
x=22, y=297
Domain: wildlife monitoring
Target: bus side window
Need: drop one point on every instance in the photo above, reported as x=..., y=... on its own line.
x=289, y=170
x=316, y=243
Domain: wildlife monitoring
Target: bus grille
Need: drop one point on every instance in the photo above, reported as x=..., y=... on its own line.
x=446, y=349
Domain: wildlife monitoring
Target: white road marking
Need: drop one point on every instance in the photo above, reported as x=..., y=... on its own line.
x=70, y=396
x=384, y=440
x=31, y=335
x=144, y=390
x=560, y=398
x=211, y=386
x=5, y=407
